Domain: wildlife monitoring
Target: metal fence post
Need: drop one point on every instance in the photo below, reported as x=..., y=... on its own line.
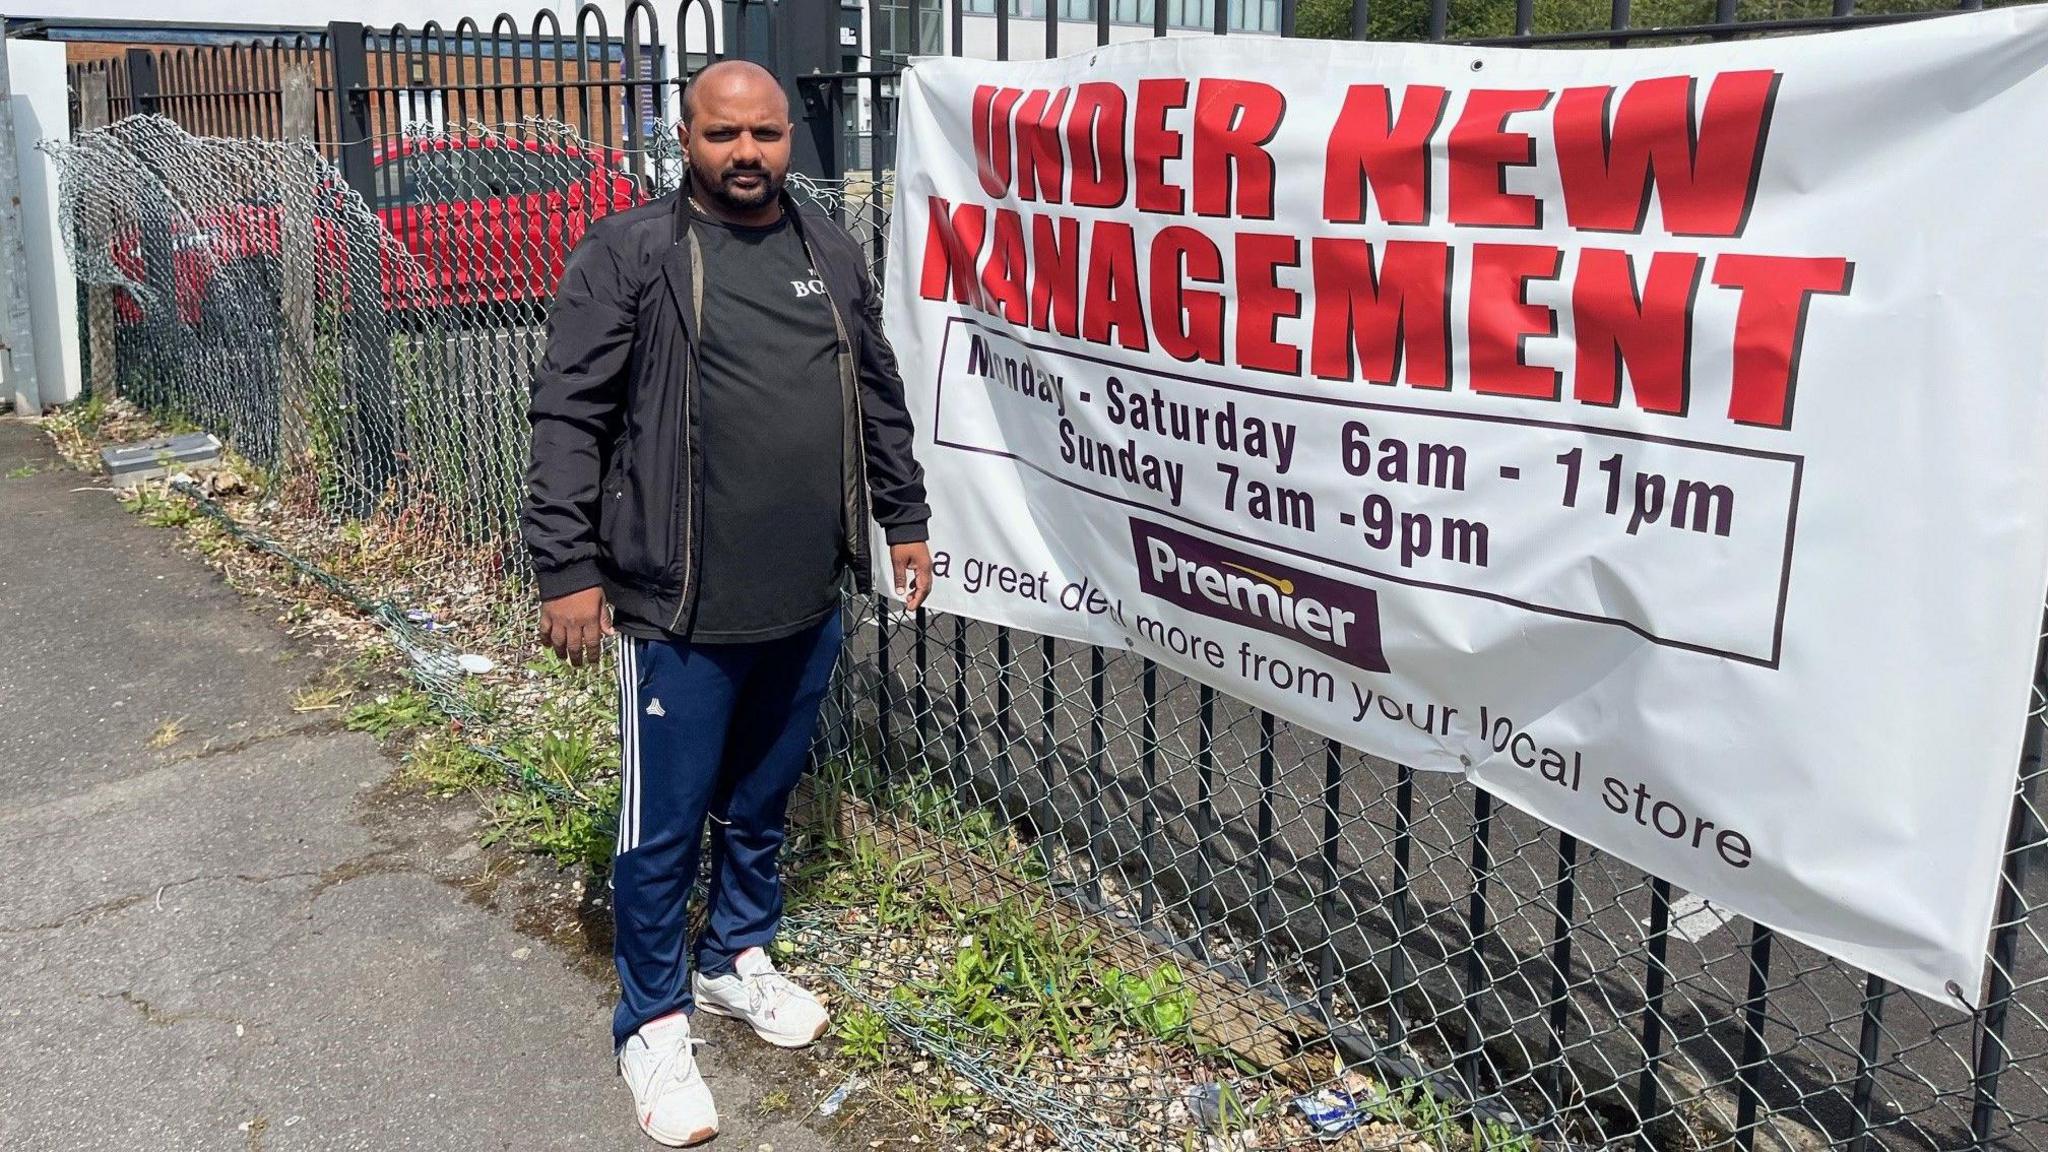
x=2023, y=835
x=366, y=353
x=159, y=304
x=17, y=340
x=165, y=377
x=143, y=98
x=296, y=273
x=1656, y=976
x=805, y=48
x=349, y=66
x=93, y=114
x=1875, y=991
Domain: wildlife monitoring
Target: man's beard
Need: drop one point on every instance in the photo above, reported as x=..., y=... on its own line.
x=714, y=186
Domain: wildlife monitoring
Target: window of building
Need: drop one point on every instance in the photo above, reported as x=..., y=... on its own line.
x=1192, y=15
x=909, y=28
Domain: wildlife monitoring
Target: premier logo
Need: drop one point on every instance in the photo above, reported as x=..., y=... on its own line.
x=1222, y=583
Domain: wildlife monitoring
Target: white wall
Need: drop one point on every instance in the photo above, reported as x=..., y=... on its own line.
x=1027, y=36
x=41, y=111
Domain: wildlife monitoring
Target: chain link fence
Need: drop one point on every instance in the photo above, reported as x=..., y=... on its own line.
x=1362, y=914
x=1344, y=938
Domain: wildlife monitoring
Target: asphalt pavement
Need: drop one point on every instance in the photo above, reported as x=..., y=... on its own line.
x=244, y=937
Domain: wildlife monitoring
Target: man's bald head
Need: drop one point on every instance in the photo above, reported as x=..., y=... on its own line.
x=729, y=80
x=735, y=134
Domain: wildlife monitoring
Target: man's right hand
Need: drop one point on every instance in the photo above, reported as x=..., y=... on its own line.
x=575, y=625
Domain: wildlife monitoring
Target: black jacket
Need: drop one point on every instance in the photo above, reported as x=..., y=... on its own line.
x=614, y=493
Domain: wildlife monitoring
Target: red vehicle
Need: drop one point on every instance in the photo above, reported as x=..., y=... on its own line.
x=486, y=220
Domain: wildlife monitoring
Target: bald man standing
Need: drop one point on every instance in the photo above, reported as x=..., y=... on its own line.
x=716, y=420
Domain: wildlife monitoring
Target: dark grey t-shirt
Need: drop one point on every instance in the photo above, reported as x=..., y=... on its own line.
x=771, y=436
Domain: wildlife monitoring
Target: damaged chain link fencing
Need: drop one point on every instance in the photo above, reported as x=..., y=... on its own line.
x=1288, y=943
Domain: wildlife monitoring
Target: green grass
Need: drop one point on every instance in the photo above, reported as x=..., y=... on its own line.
x=1023, y=977
x=921, y=795
x=91, y=414
x=568, y=815
x=570, y=834
x=1019, y=977
x=448, y=764
x=561, y=751
x=320, y=697
x=563, y=744
x=1490, y=1136
x=1232, y=1113
x=1415, y=1107
x=1024, y=984
x=1158, y=1004
x=367, y=664
x=565, y=750
x=393, y=713
x=856, y=875
x=159, y=508
x=21, y=473
x=209, y=537
x=474, y=701
x=863, y=1037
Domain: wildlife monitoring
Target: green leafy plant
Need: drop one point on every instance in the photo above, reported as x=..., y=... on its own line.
x=863, y=1037
x=1415, y=1107
x=570, y=833
x=392, y=713
x=1159, y=1004
x=1021, y=974
x=567, y=756
x=91, y=414
x=159, y=508
x=1493, y=1136
x=922, y=795
x=447, y=763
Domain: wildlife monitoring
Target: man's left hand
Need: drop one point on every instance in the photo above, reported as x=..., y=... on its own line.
x=913, y=563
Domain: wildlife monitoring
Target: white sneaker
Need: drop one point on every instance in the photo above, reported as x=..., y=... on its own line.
x=670, y=1097
x=780, y=1012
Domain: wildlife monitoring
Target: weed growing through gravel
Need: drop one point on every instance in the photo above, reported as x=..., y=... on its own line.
x=320, y=697
x=569, y=835
x=392, y=713
x=1012, y=972
x=447, y=765
x=863, y=1037
x=162, y=509
x=1004, y=987
x=167, y=734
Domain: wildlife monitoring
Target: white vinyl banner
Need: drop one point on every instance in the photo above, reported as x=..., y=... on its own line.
x=1659, y=437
